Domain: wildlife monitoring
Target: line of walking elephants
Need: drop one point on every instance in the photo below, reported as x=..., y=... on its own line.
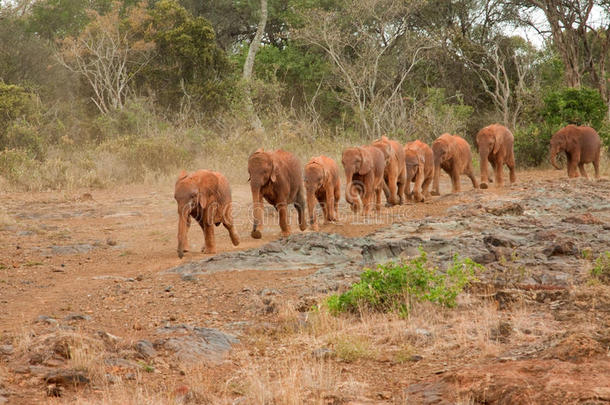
x=383, y=166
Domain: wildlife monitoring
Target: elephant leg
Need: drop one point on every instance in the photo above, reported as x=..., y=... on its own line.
x=455, y=181
x=257, y=208
x=417, y=186
x=337, y=195
x=392, y=186
x=378, y=200
x=402, y=180
x=596, y=164
x=329, y=205
x=186, y=233
x=484, y=168
x=572, y=165
x=470, y=174
x=581, y=168
x=425, y=188
x=282, y=208
x=300, y=204
x=498, y=172
x=227, y=222
x=511, y=168
x=208, y=234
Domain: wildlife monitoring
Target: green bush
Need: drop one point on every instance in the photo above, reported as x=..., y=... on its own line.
x=531, y=145
x=601, y=268
x=583, y=106
x=394, y=286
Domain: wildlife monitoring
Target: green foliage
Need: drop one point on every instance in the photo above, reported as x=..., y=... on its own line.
x=583, y=106
x=394, y=286
x=15, y=102
x=601, y=268
x=531, y=145
x=189, y=67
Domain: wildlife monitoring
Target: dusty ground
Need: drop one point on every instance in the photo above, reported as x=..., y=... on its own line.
x=88, y=270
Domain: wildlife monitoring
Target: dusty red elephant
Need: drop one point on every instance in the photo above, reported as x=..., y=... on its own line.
x=495, y=143
x=205, y=196
x=277, y=177
x=322, y=185
x=452, y=154
x=364, y=167
x=581, y=145
x=419, y=162
x=394, y=174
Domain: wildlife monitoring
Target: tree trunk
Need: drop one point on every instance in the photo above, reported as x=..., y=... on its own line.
x=249, y=65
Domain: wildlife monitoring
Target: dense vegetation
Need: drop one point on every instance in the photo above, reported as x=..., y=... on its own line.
x=99, y=91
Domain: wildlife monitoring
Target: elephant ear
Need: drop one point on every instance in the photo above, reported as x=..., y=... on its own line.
x=318, y=161
x=275, y=171
x=182, y=175
x=367, y=162
x=497, y=142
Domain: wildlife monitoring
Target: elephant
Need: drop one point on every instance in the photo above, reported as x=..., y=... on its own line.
x=495, y=144
x=394, y=175
x=419, y=162
x=581, y=144
x=206, y=196
x=322, y=185
x=364, y=167
x=452, y=154
x=276, y=176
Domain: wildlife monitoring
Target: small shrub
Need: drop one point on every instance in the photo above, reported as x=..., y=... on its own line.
x=601, y=268
x=395, y=285
x=532, y=145
x=353, y=348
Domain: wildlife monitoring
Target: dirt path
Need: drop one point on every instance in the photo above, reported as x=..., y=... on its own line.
x=102, y=254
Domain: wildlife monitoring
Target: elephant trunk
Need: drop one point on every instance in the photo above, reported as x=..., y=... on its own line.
x=554, y=152
x=182, y=231
x=257, y=207
x=349, y=197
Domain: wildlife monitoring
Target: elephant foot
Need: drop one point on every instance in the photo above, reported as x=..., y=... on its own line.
x=314, y=227
x=435, y=193
x=285, y=234
x=483, y=186
x=208, y=250
x=180, y=254
x=256, y=234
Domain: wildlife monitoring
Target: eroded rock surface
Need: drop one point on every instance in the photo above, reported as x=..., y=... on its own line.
x=531, y=236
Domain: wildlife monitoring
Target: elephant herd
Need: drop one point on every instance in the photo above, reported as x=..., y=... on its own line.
x=385, y=166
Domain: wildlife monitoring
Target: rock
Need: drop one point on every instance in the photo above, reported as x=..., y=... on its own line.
x=193, y=344
x=46, y=319
x=145, y=349
x=509, y=208
x=77, y=317
x=107, y=337
x=6, y=350
x=111, y=277
x=416, y=358
x=71, y=249
x=53, y=390
x=423, y=332
x=501, y=332
x=111, y=242
x=585, y=219
x=563, y=247
x=67, y=377
x=323, y=353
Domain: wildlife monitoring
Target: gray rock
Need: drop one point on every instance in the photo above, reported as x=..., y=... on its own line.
x=191, y=343
x=145, y=349
x=67, y=377
x=6, y=350
x=71, y=249
x=46, y=319
x=323, y=353
x=77, y=317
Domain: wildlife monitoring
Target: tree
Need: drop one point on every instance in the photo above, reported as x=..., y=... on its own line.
x=108, y=53
x=372, y=52
x=249, y=64
x=575, y=37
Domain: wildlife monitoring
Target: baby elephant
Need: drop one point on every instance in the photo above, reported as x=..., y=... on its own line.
x=277, y=177
x=322, y=184
x=419, y=161
x=205, y=196
x=452, y=154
